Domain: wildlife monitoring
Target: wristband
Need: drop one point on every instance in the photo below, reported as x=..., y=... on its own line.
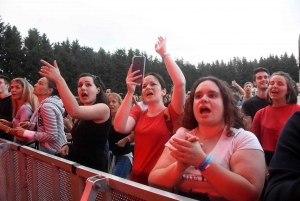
x=64, y=144
x=128, y=139
x=205, y=164
x=164, y=55
x=7, y=129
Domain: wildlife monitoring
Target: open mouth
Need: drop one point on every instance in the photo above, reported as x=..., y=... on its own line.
x=84, y=95
x=149, y=94
x=204, y=110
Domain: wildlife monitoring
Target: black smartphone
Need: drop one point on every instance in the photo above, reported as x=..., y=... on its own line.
x=138, y=63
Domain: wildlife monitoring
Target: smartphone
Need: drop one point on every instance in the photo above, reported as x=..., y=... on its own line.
x=138, y=63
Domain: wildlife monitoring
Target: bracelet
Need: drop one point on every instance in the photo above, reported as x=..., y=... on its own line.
x=64, y=144
x=128, y=139
x=205, y=164
x=7, y=129
x=164, y=55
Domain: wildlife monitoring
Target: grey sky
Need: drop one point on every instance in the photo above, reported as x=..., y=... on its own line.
x=197, y=30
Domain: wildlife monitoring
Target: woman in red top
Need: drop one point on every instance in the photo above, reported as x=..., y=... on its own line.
x=150, y=129
x=269, y=121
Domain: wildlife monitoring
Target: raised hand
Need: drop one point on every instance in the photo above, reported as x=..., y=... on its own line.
x=160, y=46
x=130, y=79
x=50, y=71
x=233, y=83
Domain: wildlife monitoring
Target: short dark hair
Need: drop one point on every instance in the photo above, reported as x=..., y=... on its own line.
x=232, y=115
x=257, y=70
x=6, y=80
x=248, y=83
x=291, y=97
x=101, y=96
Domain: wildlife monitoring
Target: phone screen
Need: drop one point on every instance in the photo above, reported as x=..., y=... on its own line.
x=138, y=63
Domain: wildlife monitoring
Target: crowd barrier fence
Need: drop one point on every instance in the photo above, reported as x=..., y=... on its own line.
x=30, y=174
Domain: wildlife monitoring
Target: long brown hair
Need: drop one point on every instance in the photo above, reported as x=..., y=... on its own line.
x=232, y=115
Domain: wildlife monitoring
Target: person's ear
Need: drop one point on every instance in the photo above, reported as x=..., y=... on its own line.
x=50, y=91
x=164, y=92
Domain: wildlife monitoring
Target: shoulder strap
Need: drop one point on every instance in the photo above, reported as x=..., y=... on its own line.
x=168, y=121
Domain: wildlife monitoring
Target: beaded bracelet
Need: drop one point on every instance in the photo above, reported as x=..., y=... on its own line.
x=205, y=164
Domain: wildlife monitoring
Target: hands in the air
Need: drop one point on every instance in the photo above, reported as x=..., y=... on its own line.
x=50, y=71
x=160, y=46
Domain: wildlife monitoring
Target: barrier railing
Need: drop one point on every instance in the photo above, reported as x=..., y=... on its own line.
x=29, y=174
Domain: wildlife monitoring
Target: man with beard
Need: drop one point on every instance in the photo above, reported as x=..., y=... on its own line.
x=252, y=105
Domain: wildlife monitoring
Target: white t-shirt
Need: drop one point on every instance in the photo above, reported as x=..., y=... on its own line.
x=192, y=179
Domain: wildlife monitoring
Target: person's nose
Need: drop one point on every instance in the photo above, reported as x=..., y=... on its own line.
x=204, y=99
x=83, y=87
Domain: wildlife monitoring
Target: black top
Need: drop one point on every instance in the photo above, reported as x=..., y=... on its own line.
x=6, y=113
x=284, y=169
x=89, y=141
x=252, y=105
x=114, y=137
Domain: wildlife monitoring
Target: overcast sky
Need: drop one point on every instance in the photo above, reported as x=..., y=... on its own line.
x=197, y=30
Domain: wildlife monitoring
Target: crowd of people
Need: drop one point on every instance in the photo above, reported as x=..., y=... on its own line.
x=215, y=142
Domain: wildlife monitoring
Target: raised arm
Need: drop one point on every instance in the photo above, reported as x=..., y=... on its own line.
x=241, y=90
x=123, y=123
x=178, y=79
x=98, y=112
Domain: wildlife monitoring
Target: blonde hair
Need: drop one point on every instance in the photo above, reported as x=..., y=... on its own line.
x=116, y=96
x=27, y=95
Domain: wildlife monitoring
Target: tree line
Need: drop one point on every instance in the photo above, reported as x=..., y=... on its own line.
x=19, y=57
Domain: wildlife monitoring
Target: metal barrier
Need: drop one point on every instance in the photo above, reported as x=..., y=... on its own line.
x=29, y=174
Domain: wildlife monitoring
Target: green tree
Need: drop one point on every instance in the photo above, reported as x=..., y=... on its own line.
x=36, y=47
x=2, y=42
x=13, y=55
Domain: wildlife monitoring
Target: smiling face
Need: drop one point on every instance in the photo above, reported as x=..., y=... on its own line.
x=87, y=90
x=16, y=90
x=208, y=105
x=152, y=90
x=278, y=88
x=261, y=80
